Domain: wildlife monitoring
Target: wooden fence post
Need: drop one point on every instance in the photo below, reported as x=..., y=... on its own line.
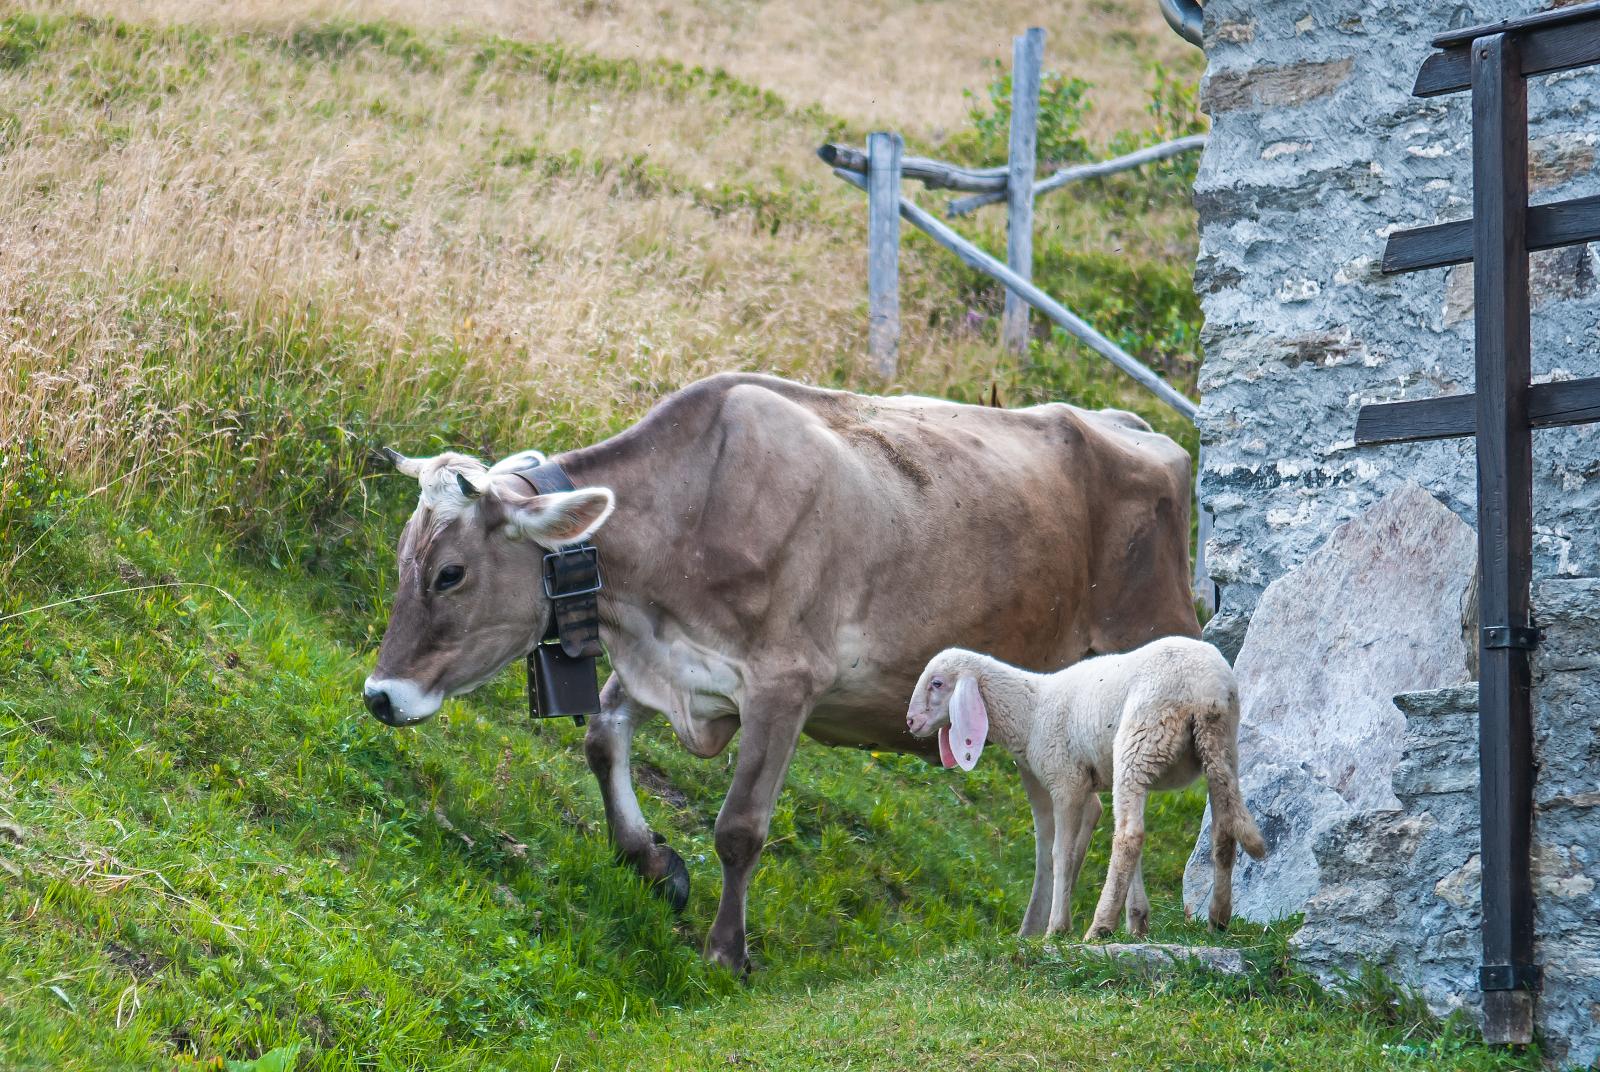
x=884, y=150
x=1027, y=56
x=1505, y=531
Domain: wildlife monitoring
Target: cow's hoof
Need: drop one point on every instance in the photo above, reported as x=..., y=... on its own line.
x=673, y=884
x=738, y=963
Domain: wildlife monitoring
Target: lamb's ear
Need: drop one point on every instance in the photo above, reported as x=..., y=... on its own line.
x=969, y=723
x=561, y=518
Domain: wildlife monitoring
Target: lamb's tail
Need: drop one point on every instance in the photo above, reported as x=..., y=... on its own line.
x=1216, y=742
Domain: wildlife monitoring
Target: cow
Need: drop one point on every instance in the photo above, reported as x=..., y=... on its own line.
x=783, y=559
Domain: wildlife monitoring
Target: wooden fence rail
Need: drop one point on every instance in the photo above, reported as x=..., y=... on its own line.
x=1069, y=321
x=1079, y=172
x=990, y=183
x=934, y=174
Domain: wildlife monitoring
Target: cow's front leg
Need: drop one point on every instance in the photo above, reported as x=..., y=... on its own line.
x=608, y=746
x=767, y=738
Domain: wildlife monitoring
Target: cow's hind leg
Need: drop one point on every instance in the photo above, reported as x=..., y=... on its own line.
x=608, y=746
x=767, y=737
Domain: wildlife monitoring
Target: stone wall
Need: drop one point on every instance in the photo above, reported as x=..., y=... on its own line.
x=1318, y=152
x=1400, y=888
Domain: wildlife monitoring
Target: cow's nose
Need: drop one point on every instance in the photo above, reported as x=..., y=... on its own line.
x=377, y=702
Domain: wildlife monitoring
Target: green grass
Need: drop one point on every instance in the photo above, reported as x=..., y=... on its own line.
x=222, y=857
x=1024, y=1005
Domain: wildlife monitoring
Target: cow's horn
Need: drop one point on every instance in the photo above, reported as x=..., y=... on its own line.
x=404, y=466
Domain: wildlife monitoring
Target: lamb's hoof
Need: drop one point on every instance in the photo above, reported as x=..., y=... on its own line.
x=1096, y=933
x=1220, y=924
x=673, y=884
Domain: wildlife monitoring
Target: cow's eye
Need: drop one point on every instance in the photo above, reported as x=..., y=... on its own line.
x=936, y=683
x=449, y=577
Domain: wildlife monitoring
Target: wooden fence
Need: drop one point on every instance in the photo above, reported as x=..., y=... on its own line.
x=880, y=169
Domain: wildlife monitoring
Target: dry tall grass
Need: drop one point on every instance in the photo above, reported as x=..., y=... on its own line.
x=892, y=62
x=381, y=192
x=568, y=239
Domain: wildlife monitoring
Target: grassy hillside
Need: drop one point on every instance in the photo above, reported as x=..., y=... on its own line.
x=245, y=243
x=872, y=61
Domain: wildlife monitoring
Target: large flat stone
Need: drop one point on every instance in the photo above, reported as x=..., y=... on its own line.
x=1152, y=959
x=1384, y=606
x=1400, y=888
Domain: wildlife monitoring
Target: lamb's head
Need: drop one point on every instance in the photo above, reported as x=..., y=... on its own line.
x=948, y=701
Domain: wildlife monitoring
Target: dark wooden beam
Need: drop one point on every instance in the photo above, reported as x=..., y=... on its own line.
x=1563, y=223
x=1505, y=529
x=1550, y=405
x=1449, y=417
x=1559, y=47
x=1542, y=20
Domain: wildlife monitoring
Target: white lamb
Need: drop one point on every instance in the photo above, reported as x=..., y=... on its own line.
x=1153, y=718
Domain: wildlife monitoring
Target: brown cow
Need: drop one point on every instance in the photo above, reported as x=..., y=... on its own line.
x=786, y=559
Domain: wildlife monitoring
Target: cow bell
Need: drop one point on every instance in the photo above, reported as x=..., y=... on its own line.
x=560, y=684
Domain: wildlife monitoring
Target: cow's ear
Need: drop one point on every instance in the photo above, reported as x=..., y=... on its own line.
x=561, y=518
x=525, y=459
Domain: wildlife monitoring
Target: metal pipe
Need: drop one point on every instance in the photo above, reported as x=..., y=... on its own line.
x=1187, y=19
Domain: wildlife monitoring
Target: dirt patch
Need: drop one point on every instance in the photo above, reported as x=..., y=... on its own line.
x=138, y=964
x=655, y=779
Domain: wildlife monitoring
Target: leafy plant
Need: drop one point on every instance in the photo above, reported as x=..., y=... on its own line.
x=1063, y=104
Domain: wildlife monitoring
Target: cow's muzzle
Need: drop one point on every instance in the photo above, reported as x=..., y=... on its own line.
x=377, y=702
x=398, y=702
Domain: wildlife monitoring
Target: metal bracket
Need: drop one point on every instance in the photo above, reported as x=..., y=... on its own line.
x=1510, y=977
x=1526, y=637
x=556, y=562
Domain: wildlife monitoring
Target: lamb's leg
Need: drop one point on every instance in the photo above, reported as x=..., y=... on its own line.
x=1044, y=833
x=1089, y=810
x=1138, y=911
x=1223, y=850
x=1066, y=821
x=1127, y=844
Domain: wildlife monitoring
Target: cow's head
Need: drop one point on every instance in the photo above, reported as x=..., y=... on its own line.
x=470, y=598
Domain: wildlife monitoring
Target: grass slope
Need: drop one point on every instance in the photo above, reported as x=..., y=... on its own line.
x=237, y=253
x=212, y=855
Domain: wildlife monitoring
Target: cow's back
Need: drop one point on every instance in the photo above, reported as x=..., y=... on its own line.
x=907, y=525
x=843, y=539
